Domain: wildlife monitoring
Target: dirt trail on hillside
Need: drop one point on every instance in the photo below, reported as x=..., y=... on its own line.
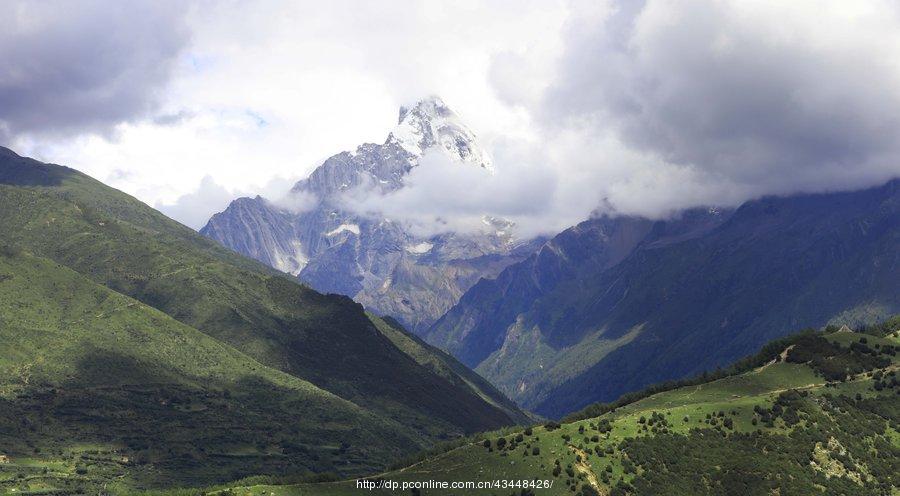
x=584, y=468
x=782, y=357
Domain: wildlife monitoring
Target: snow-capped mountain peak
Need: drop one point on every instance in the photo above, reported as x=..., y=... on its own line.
x=430, y=123
x=329, y=233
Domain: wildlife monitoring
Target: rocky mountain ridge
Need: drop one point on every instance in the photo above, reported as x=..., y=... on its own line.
x=376, y=260
x=614, y=304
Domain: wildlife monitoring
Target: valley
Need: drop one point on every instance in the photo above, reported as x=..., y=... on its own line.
x=570, y=325
x=780, y=426
x=383, y=263
x=479, y=248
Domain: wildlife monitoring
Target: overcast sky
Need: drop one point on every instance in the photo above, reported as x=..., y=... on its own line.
x=639, y=107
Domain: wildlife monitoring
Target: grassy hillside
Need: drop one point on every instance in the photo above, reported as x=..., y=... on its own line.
x=96, y=283
x=101, y=389
x=822, y=416
x=447, y=367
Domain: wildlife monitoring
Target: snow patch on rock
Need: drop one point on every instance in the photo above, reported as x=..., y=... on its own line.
x=420, y=248
x=292, y=262
x=344, y=227
x=431, y=124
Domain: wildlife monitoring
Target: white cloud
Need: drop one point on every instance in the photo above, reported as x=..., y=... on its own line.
x=296, y=202
x=194, y=209
x=735, y=99
x=644, y=107
x=271, y=88
x=440, y=195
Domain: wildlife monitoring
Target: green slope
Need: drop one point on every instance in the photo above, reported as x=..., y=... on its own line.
x=125, y=245
x=447, y=367
x=89, y=378
x=780, y=426
x=112, y=242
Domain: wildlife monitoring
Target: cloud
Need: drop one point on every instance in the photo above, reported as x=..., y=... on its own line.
x=195, y=208
x=640, y=107
x=733, y=99
x=440, y=196
x=73, y=68
x=651, y=107
x=173, y=118
x=296, y=202
x=542, y=189
x=258, y=89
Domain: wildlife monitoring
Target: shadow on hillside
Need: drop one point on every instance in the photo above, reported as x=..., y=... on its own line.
x=163, y=431
x=21, y=171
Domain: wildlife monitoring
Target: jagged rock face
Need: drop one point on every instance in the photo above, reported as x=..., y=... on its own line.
x=257, y=230
x=376, y=261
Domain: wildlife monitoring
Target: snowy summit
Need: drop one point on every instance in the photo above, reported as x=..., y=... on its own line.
x=430, y=123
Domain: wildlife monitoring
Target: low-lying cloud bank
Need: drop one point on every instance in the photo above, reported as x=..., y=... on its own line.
x=195, y=208
x=641, y=107
x=723, y=101
x=653, y=107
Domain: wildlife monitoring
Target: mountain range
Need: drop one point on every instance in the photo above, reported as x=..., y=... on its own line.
x=138, y=354
x=606, y=307
x=379, y=262
x=616, y=303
